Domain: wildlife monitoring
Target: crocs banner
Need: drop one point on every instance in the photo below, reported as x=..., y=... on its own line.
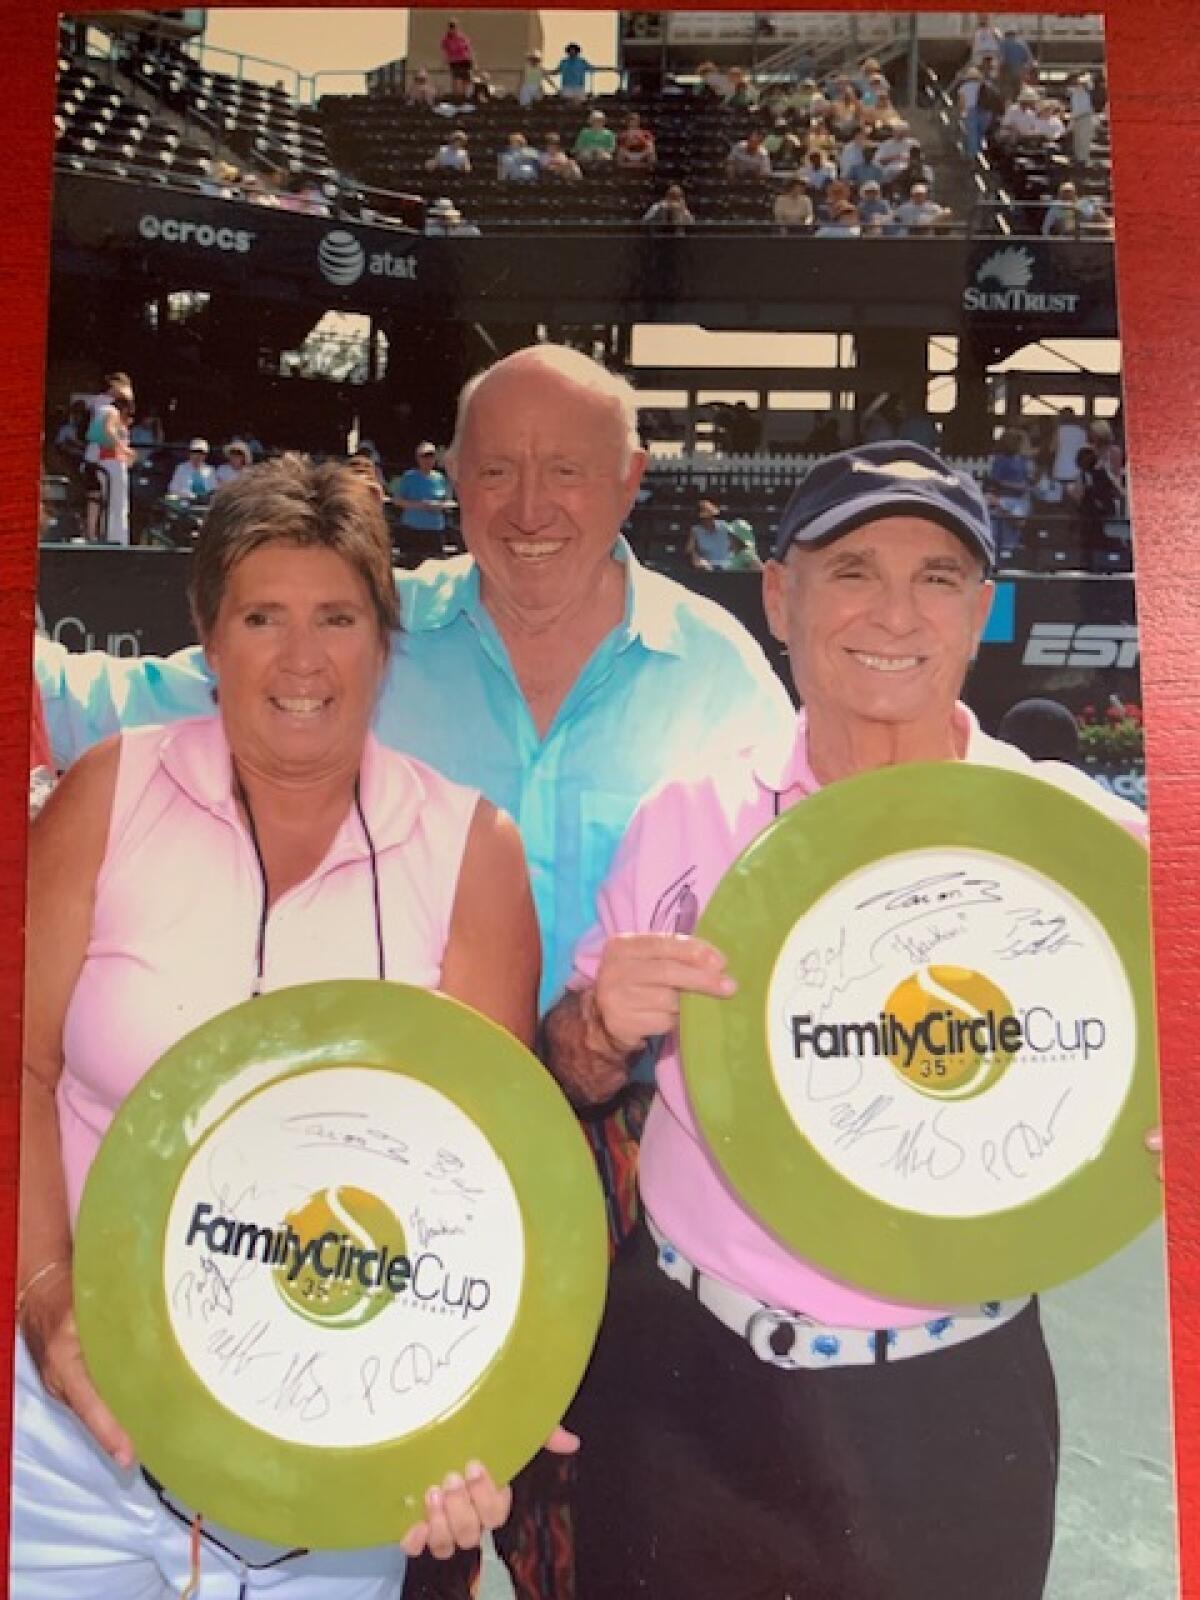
x=937, y=1072
x=368, y=1247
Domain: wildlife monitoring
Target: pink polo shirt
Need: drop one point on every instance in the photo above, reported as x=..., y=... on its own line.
x=179, y=896
x=677, y=849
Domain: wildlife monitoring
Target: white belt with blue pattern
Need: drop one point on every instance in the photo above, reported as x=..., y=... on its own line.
x=796, y=1342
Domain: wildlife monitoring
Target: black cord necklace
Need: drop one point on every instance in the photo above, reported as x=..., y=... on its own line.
x=260, y=947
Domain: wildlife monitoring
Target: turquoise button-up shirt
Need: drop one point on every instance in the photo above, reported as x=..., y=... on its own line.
x=678, y=683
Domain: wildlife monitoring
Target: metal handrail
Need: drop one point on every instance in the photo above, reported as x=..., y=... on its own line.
x=199, y=52
x=508, y=79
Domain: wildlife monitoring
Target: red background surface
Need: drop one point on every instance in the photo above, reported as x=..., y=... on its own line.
x=1154, y=56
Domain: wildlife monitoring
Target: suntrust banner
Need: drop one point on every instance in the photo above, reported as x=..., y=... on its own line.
x=1039, y=284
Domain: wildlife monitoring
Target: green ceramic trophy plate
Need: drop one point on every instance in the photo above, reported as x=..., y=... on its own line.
x=340, y=1241
x=936, y=1076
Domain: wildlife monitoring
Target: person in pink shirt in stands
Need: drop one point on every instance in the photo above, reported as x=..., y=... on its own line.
x=458, y=54
x=753, y=1426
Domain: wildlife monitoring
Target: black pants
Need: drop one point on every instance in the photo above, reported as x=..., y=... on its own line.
x=707, y=1474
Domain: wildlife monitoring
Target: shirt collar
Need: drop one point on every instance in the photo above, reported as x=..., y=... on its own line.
x=781, y=766
x=195, y=755
x=441, y=591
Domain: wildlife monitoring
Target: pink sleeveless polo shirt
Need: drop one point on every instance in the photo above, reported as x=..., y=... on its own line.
x=179, y=897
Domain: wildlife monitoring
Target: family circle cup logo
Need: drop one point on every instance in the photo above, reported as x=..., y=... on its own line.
x=954, y=1031
x=341, y=258
x=353, y=1229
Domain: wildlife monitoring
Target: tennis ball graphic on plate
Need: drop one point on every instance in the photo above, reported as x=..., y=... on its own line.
x=957, y=1031
x=351, y=1224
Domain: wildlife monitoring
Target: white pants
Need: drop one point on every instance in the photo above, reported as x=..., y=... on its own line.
x=115, y=516
x=1083, y=132
x=83, y=1529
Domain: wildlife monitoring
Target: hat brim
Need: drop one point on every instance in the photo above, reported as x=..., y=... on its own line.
x=840, y=520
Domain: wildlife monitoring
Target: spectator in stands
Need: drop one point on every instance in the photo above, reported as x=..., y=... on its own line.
x=793, y=208
x=365, y=459
x=709, y=540
x=919, y=211
x=1008, y=486
x=595, y=143
x=818, y=137
x=715, y=82
x=748, y=158
x=518, y=162
x=1020, y=123
x=847, y=112
x=556, y=163
x=1081, y=105
x=636, y=149
x=834, y=196
x=67, y=454
x=219, y=179
x=457, y=53
x=915, y=170
x=451, y=156
x=892, y=155
x=884, y=114
x=421, y=91
x=1062, y=220
x=1015, y=62
x=873, y=209
x=1109, y=454
x=783, y=146
x=1050, y=127
x=1070, y=437
x=869, y=171
x=253, y=443
x=743, y=96
x=481, y=91
x=261, y=188
x=194, y=478
x=817, y=172
x=237, y=459
x=773, y=101
x=800, y=98
x=744, y=554
x=1096, y=495
x=854, y=153
x=574, y=73
x=987, y=39
x=973, y=120
x=108, y=455
x=302, y=194
x=671, y=213
x=444, y=220
x=1044, y=729
x=871, y=83
x=423, y=494
x=147, y=431
x=843, y=224
x=994, y=99
x=534, y=78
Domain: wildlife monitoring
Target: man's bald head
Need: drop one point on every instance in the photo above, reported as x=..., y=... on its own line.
x=554, y=363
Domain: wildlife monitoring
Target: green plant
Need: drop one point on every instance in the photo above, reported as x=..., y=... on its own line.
x=1112, y=741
